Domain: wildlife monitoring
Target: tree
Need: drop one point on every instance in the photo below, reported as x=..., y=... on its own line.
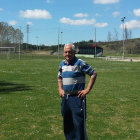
x=136, y=48
x=9, y=36
x=116, y=41
x=128, y=43
x=109, y=37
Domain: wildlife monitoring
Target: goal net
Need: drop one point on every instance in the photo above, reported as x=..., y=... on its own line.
x=7, y=52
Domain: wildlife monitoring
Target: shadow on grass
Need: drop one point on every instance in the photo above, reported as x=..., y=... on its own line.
x=6, y=87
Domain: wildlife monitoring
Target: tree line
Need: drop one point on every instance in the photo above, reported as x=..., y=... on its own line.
x=114, y=45
x=11, y=37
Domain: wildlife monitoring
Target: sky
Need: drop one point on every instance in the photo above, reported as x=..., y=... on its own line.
x=53, y=22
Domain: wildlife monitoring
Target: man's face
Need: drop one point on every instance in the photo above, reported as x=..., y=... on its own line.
x=69, y=53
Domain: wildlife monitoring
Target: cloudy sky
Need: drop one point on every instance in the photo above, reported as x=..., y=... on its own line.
x=71, y=20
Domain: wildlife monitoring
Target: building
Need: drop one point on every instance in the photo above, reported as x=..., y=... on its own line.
x=93, y=50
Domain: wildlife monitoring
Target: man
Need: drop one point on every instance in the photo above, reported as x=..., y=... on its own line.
x=71, y=86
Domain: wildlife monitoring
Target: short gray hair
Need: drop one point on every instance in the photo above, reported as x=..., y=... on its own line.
x=70, y=44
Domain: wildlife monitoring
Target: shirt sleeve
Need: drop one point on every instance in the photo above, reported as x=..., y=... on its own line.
x=59, y=76
x=86, y=69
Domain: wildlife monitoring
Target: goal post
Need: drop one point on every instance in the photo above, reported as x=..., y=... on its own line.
x=7, y=51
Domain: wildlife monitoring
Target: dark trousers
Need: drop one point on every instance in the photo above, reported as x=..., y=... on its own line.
x=74, y=115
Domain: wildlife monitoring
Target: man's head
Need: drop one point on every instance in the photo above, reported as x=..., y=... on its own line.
x=69, y=52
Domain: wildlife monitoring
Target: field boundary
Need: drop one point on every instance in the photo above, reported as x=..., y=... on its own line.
x=119, y=58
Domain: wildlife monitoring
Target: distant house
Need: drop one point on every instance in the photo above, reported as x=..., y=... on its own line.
x=90, y=50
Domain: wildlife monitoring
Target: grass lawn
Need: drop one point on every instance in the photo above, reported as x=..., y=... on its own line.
x=30, y=104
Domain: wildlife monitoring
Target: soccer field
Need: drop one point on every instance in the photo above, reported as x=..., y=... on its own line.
x=30, y=104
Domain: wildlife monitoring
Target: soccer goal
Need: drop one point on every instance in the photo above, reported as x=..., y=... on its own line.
x=7, y=51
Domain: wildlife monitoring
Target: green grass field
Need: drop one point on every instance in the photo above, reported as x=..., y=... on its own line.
x=30, y=104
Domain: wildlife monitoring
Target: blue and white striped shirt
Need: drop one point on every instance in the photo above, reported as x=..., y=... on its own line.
x=72, y=75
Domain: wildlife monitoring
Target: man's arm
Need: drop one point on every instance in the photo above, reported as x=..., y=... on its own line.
x=60, y=89
x=83, y=93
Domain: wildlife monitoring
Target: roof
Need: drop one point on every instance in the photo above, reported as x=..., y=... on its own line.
x=89, y=47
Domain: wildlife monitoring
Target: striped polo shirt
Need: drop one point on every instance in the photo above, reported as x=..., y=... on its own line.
x=73, y=74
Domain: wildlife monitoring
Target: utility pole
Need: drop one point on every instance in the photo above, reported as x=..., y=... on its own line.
x=37, y=44
x=19, y=41
x=95, y=42
x=58, y=42
x=27, y=37
x=61, y=44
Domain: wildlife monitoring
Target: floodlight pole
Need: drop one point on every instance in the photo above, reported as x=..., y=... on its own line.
x=123, y=36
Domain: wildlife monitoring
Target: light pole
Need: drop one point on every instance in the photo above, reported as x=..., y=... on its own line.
x=61, y=42
x=95, y=43
x=123, y=36
x=19, y=41
x=58, y=42
x=1, y=40
x=37, y=43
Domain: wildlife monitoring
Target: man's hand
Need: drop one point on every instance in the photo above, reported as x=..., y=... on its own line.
x=60, y=89
x=61, y=93
x=82, y=93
